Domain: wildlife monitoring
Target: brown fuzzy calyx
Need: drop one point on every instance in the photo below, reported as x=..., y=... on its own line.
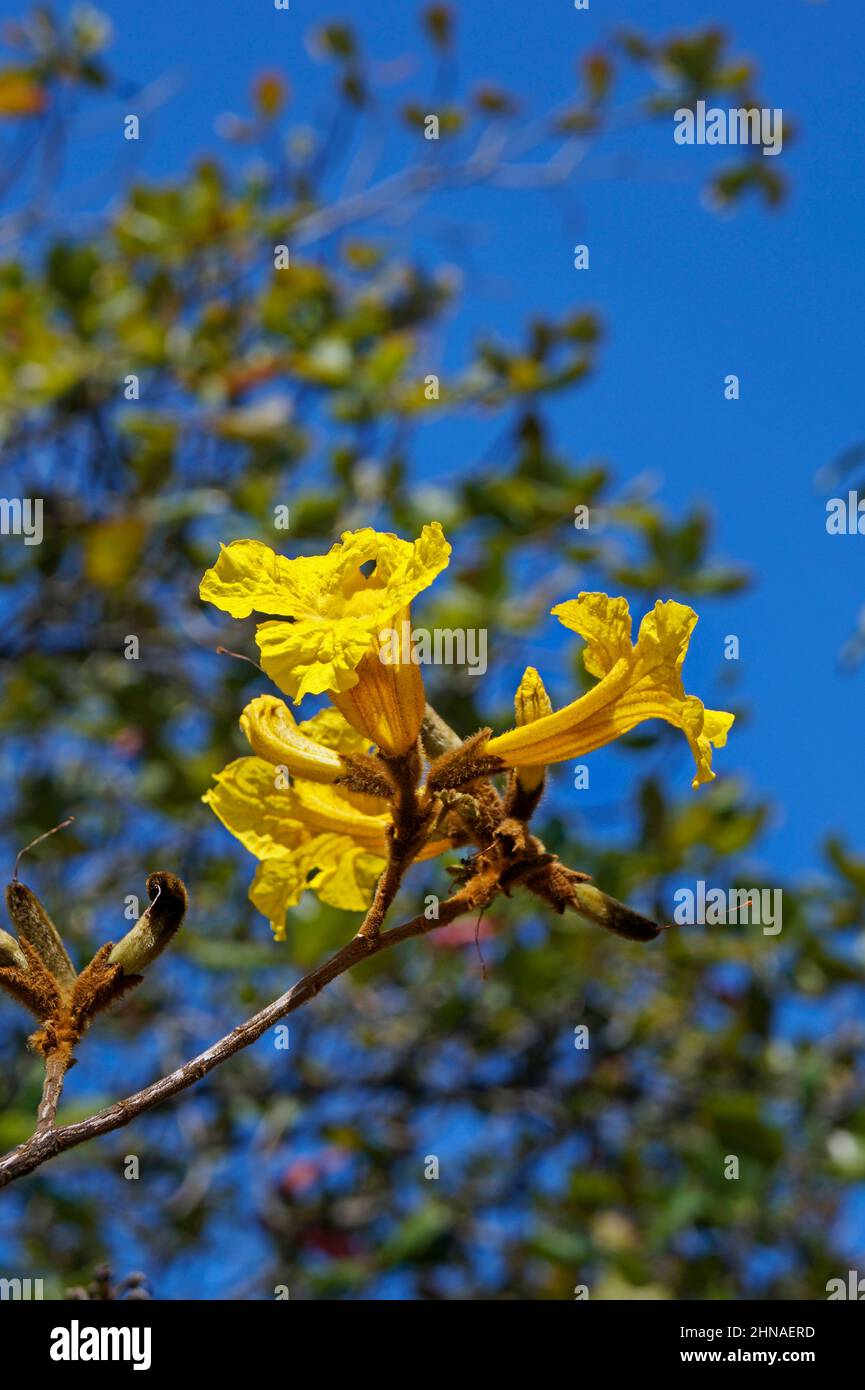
x=367, y=775
x=463, y=765
x=33, y=986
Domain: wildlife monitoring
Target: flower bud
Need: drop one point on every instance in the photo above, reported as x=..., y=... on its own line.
x=531, y=702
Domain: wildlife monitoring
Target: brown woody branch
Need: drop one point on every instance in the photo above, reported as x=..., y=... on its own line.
x=47, y=1142
x=56, y=1067
x=411, y=817
x=508, y=854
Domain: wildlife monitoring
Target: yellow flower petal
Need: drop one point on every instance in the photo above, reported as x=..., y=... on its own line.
x=248, y=577
x=264, y=815
x=346, y=878
x=340, y=874
x=308, y=658
x=278, y=885
x=705, y=729
x=336, y=607
x=306, y=835
x=332, y=729
x=273, y=734
x=333, y=809
x=637, y=683
x=248, y=803
x=605, y=623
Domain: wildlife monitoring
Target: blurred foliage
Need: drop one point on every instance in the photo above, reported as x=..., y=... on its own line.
x=260, y=388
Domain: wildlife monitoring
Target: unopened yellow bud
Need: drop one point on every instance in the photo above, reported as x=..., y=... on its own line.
x=531, y=702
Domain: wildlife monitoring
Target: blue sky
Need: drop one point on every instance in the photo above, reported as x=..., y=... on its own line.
x=686, y=296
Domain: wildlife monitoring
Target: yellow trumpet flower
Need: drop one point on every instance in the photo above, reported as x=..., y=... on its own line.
x=305, y=834
x=330, y=616
x=636, y=683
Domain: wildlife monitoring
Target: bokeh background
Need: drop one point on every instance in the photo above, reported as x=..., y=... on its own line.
x=304, y=389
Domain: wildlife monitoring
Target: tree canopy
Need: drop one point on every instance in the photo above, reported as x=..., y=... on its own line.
x=167, y=382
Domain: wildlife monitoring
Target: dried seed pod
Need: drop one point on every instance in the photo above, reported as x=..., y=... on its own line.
x=100, y=984
x=31, y=982
x=35, y=927
x=11, y=953
x=156, y=925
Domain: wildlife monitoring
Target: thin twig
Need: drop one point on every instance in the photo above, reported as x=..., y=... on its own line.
x=39, y=838
x=239, y=656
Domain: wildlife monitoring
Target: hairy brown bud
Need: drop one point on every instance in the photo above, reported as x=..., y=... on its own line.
x=463, y=765
x=155, y=927
x=367, y=775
